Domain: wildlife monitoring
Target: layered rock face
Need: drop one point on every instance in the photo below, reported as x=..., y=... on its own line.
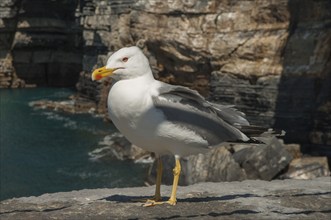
x=304, y=90
x=42, y=41
x=7, y=29
x=269, y=58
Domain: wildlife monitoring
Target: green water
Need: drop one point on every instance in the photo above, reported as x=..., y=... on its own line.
x=43, y=151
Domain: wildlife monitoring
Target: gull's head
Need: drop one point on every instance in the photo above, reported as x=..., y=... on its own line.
x=126, y=63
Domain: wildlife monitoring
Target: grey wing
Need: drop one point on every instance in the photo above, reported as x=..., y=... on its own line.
x=226, y=112
x=188, y=109
x=230, y=114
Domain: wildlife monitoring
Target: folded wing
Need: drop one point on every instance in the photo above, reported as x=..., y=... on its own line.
x=188, y=109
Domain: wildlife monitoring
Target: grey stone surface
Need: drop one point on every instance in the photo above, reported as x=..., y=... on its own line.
x=250, y=199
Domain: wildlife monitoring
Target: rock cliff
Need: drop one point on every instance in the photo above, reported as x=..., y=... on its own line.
x=43, y=40
x=269, y=58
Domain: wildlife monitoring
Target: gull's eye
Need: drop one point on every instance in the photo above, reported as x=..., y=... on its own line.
x=125, y=59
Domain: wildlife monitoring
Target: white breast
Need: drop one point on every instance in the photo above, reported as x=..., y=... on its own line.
x=131, y=109
x=126, y=101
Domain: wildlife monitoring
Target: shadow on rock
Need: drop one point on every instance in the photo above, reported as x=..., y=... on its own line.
x=130, y=199
x=213, y=214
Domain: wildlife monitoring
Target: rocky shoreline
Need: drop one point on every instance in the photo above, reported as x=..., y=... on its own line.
x=73, y=105
x=232, y=162
x=249, y=199
x=229, y=162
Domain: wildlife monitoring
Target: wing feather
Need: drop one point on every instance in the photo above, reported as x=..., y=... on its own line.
x=226, y=112
x=187, y=108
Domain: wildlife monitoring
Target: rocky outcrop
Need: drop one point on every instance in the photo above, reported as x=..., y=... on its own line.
x=234, y=162
x=228, y=162
x=117, y=146
x=8, y=77
x=237, y=162
x=280, y=199
x=44, y=40
x=304, y=91
x=307, y=168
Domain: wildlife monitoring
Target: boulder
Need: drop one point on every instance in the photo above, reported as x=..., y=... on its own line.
x=231, y=163
x=307, y=168
x=118, y=147
x=263, y=161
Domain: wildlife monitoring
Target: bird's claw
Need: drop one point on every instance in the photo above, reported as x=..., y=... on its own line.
x=151, y=203
x=148, y=200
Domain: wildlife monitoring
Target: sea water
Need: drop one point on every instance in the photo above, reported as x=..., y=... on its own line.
x=43, y=151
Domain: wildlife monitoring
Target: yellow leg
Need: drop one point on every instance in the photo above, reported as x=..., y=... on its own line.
x=172, y=200
x=157, y=197
x=176, y=170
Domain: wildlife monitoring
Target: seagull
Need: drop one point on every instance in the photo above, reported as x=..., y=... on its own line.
x=164, y=118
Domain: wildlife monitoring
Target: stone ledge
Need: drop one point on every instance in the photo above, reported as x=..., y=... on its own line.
x=250, y=199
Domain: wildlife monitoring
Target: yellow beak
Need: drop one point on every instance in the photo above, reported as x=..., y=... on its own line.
x=102, y=73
